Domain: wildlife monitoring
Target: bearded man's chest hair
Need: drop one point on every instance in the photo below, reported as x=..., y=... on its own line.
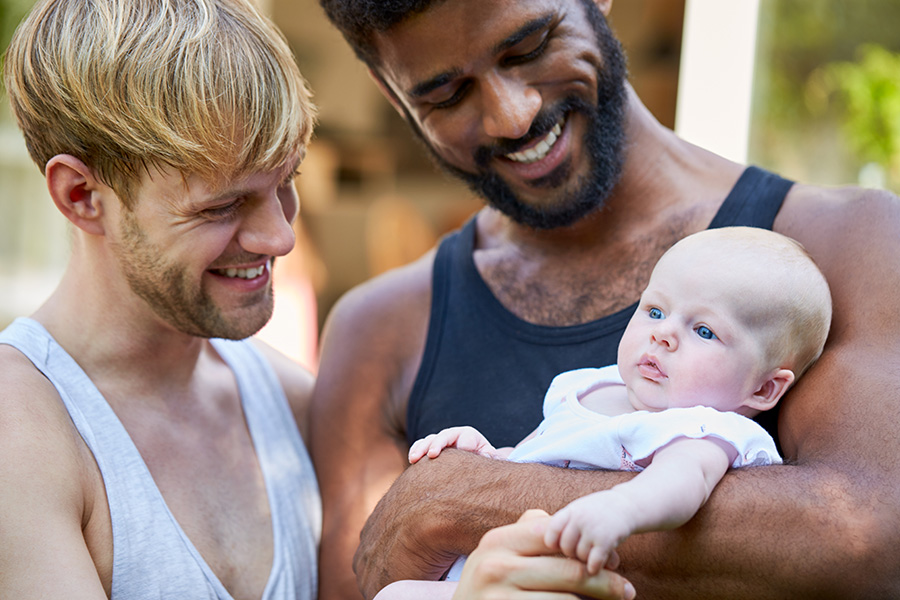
x=561, y=293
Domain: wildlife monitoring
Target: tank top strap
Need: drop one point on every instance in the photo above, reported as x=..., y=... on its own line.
x=440, y=292
x=754, y=201
x=287, y=471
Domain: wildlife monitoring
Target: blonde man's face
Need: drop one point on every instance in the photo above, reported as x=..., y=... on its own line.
x=200, y=258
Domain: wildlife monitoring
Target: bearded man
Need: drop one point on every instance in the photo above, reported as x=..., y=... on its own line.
x=527, y=101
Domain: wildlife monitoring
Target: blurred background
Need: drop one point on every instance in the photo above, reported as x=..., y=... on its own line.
x=807, y=88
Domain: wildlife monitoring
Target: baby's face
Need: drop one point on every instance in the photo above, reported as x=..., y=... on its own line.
x=687, y=344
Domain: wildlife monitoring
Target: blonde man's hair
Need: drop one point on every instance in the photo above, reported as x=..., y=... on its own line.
x=206, y=87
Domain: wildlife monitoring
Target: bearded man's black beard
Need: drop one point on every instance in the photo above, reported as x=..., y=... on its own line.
x=604, y=141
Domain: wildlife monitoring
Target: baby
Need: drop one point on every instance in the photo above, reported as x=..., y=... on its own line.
x=730, y=319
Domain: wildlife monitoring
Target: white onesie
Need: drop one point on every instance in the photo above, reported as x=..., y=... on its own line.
x=576, y=437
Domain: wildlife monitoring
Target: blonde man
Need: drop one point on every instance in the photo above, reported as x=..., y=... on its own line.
x=141, y=457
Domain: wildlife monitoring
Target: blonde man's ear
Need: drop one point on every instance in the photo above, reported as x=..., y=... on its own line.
x=76, y=192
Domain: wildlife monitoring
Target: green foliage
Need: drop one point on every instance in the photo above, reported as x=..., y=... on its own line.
x=868, y=93
x=11, y=12
x=826, y=88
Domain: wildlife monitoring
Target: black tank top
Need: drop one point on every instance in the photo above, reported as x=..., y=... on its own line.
x=485, y=367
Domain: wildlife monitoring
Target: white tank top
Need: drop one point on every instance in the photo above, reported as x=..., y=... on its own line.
x=152, y=556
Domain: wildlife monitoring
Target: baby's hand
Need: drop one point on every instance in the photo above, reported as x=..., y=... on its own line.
x=462, y=438
x=589, y=529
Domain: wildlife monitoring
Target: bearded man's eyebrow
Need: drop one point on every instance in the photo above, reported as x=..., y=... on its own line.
x=433, y=83
x=441, y=79
x=523, y=32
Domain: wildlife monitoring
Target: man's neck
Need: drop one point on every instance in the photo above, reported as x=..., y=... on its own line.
x=113, y=335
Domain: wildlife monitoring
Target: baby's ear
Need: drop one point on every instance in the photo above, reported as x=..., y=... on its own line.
x=771, y=391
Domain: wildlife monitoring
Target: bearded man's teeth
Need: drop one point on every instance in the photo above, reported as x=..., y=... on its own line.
x=540, y=150
x=243, y=273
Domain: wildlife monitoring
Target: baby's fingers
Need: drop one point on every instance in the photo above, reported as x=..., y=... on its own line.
x=447, y=438
x=555, y=528
x=612, y=563
x=419, y=448
x=597, y=559
x=569, y=540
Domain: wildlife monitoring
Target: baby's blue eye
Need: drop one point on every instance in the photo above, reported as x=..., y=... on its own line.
x=706, y=333
x=655, y=313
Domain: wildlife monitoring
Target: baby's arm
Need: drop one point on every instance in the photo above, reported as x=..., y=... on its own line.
x=463, y=438
x=665, y=495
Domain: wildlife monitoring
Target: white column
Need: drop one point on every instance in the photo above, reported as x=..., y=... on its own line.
x=716, y=75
